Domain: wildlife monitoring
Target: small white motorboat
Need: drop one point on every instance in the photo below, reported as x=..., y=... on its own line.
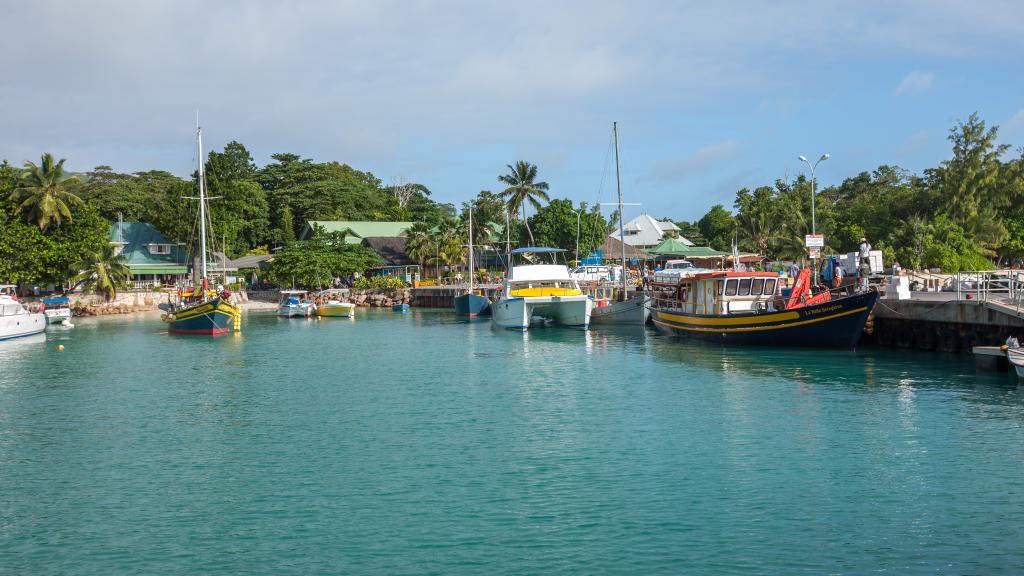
x=57, y=310
x=293, y=304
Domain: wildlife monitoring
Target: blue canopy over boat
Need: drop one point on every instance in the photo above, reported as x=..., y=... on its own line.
x=536, y=249
x=56, y=300
x=292, y=301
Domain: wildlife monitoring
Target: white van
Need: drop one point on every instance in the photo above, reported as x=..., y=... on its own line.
x=596, y=273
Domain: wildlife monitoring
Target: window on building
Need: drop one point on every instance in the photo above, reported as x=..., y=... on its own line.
x=159, y=248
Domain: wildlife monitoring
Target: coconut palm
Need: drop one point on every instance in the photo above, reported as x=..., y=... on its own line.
x=523, y=190
x=758, y=230
x=419, y=243
x=40, y=195
x=449, y=237
x=102, y=272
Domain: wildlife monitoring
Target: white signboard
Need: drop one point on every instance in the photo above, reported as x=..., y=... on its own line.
x=814, y=240
x=815, y=252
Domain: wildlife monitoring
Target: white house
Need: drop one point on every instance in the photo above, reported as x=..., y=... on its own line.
x=644, y=231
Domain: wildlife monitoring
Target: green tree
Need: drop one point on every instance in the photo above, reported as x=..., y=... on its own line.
x=41, y=196
x=554, y=226
x=30, y=256
x=102, y=272
x=419, y=242
x=313, y=263
x=116, y=194
x=523, y=189
x=718, y=226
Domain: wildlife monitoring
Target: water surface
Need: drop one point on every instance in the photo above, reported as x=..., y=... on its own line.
x=414, y=443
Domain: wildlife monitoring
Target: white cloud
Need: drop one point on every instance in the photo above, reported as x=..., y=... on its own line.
x=916, y=81
x=700, y=161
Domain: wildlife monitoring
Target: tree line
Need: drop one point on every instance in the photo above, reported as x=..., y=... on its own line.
x=967, y=213
x=55, y=225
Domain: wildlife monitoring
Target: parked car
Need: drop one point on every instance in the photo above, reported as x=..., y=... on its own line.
x=596, y=273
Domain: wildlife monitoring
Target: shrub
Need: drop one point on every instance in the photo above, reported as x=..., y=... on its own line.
x=379, y=283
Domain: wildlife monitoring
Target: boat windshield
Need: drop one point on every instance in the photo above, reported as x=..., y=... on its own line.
x=532, y=256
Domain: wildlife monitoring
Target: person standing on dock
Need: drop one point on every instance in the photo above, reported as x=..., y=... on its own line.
x=864, y=259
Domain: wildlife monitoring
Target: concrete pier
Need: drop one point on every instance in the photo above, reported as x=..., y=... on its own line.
x=444, y=296
x=945, y=321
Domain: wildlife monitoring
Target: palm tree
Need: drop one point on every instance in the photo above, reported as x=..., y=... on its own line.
x=419, y=243
x=39, y=194
x=448, y=239
x=102, y=272
x=522, y=190
x=758, y=230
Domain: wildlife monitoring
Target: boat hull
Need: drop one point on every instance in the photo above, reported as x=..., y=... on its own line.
x=57, y=315
x=292, y=310
x=634, y=311
x=335, y=311
x=517, y=312
x=470, y=305
x=21, y=325
x=834, y=324
x=213, y=318
x=1016, y=358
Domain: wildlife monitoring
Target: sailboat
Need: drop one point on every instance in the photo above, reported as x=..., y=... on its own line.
x=200, y=310
x=622, y=308
x=469, y=303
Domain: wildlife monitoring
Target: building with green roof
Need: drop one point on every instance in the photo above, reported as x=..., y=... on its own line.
x=357, y=230
x=152, y=259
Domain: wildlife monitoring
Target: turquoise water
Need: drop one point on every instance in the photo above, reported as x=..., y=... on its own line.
x=415, y=444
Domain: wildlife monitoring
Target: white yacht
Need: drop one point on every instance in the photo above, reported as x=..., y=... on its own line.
x=15, y=320
x=540, y=290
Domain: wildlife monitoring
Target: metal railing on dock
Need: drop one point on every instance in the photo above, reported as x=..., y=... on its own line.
x=1003, y=286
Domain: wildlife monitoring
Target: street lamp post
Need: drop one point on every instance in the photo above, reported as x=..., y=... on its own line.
x=578, y=214
x=814, y=227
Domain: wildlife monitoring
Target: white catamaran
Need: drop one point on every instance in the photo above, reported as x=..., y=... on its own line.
x=540, y=290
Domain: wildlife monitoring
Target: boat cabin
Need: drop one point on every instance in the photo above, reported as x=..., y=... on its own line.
x=540, y=272
x=724, y=293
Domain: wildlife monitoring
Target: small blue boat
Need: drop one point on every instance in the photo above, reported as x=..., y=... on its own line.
x=400, y=308
x=471, y=305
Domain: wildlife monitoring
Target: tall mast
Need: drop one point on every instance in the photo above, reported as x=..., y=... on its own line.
x=471, y=250
x=508, y=245
x=618, y=187
x=202, y=201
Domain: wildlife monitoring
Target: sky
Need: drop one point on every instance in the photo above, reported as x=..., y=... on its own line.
x=710, y=97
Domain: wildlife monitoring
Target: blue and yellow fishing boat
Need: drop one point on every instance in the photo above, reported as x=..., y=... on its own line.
x=201, y=310
x=212, y=315
x=746, y=308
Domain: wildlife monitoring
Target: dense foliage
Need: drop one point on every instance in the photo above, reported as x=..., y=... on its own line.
x=379, y=283
x=555, y=226
x=317, y=261
x=965, y=214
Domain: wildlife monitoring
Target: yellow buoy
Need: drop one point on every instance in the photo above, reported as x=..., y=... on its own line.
x=60, y=347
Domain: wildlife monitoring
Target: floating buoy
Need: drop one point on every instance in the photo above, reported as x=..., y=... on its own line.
x=60, y=347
